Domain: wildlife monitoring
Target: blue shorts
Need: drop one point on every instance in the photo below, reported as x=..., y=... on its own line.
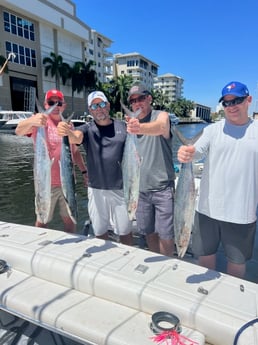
x=155, y=213
x=237, y=239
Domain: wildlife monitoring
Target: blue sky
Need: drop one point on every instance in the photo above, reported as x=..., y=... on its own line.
x=208, y=43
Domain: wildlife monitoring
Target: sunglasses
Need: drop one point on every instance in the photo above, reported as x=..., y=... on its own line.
x=138, y=99
x=59, y=103
x=233, y=102
x=98, y=105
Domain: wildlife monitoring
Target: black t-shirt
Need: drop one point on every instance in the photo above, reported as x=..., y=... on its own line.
x=104, y=146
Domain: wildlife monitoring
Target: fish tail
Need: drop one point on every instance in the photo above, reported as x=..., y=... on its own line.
x=182, y=138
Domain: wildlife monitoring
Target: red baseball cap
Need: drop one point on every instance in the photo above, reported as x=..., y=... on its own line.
x=54, y=93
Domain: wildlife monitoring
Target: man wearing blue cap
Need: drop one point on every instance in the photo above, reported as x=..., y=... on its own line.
x=226, y=209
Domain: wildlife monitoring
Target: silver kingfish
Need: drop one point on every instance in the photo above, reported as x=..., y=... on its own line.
x=185, y=198
x=131, y=169
x=42, y=171
x=67, y=176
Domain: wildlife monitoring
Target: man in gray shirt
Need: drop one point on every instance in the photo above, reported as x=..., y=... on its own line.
x=155, y=208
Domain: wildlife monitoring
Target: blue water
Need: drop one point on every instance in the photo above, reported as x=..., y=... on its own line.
x=16, y=176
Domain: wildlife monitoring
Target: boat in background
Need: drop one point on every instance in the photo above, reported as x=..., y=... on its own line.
x=9, y=120
x=81, y=120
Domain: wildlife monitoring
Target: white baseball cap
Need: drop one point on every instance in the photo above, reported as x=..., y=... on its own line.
x=96, y=94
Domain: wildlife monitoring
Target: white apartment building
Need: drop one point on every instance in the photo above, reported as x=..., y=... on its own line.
x=139, y=67
x=171, y=85
x=97, y=51
x=32, y=30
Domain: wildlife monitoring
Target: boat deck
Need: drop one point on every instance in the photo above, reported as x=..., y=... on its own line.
x=105, y=293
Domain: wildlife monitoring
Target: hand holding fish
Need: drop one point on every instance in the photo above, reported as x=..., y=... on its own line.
x=64, y=128
x=39, y=120
x=133, y=126
x=185, y=153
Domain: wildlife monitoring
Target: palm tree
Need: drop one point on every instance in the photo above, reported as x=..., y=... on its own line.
x=182, y=107
x=160, y=100
x=124, y=83
x=116, y=90
x=57, y=68
x=89, y=76
x=77, y=78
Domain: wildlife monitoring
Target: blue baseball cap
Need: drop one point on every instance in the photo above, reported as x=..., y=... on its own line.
x=234, y=88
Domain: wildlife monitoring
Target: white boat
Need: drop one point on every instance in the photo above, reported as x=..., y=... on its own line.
x=82, y=120
x=78, y=122
x=9, y=120
x=99, y=292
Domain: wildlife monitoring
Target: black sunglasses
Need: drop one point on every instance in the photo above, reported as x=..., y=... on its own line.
x=233, y=102
x=59, y=103
x=138, y=99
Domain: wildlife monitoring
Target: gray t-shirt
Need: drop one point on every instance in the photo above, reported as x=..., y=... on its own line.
x=157, y=169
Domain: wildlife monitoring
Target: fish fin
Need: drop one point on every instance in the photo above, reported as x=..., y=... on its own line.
x=39, y=107
x=68, y=118
x=129, y=112
x=183, y=140
x=181, y=252
x=42, y=110
x=70, y=213
x=183, y=241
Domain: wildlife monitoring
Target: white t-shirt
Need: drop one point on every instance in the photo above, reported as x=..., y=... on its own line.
x=229, y=183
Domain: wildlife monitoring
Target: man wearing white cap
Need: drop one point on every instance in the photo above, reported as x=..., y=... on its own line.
x=226, y=209
x=103, y=140
x=30, y=127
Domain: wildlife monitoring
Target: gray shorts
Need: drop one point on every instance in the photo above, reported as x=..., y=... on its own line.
x=237, y=239
x=107, y=209
x=155, y=213
x=57, y=197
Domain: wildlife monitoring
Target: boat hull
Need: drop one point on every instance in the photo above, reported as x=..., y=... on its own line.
x=10, y=119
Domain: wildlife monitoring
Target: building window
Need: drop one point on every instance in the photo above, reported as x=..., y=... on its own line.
x=24, y=56
x=99, y=42
x=143, y=64
x=19, y=26
x=132, y=63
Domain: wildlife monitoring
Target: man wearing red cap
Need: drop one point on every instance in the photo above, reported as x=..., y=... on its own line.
x=227, y=204
x=49, y=122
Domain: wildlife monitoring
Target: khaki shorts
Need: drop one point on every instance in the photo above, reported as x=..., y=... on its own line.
x=107, y=209
x=57, y=197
